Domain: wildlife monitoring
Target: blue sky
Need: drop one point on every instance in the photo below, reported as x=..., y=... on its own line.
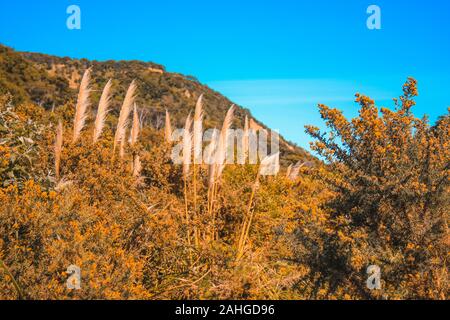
x=278, y=58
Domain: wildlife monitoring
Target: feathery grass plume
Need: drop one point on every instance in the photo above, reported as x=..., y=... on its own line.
x=124, y=114
x=187, y=146
x=295, y=171
x=216, y=170
x=288, y=171
x=223, y=139
x=198, y=143
x=211, y=175
x=187, y=153
x=137, y=166
x=168, y=128
x=103, y=109
x=210, y=160
x=198, y=127
x=82, y=105
x=135, y=126
x=245, y=138
x=268, y=166
x=211, y=157
x=58, y=148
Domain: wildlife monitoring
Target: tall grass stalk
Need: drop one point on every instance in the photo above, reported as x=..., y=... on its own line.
x=136, y=164
x=211, y=156
x=58, y=149
x=198, y=142
x=82, y=105
x=219, y=161
x=265, y=164
x=187, y=152
x=247, y=219
x=13, y=280
x=246, y=138
x=125, y=111
x=168, y=128
x=103, y=109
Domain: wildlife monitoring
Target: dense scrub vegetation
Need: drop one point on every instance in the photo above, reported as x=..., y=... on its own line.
x=140, y=227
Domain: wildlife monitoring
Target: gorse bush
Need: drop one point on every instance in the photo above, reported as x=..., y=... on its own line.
x=20, y=146
x=390, y=173
x=103, y=194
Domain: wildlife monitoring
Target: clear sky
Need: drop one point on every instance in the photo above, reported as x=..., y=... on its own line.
x=278, y=58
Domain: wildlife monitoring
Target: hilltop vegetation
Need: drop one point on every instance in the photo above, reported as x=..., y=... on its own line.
x=26, y=82
x=141, y=227
x=52, y=81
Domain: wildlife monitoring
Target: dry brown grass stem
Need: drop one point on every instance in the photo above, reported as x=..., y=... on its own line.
x=198, y=130
x=220, y=159
x=168, y=128
x=135, y=126
x=187, y=147
x=222, y=147
x=13, y=280
x=266, y=163
x=124, y=115
x=197, y=159
x=247, y=219
x=136, y=164
x=58, y=149
x=217, y=157
x=187, y=153
x=245, y=138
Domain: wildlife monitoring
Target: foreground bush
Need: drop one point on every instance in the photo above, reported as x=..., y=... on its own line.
x=140, y=227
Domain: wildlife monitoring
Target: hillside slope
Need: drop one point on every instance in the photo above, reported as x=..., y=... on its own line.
x=52, y=81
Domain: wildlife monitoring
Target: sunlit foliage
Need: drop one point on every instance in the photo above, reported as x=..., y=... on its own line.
x=381, y=196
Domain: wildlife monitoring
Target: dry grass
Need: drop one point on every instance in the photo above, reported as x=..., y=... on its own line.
x=219, y=163
x=146, y=241
x=125, y=111
x=267, y=164
x=58, y=149
x=187, y=153
x=82, y=106
x=16, y=285
x=135, y=128
x=103, y=109
x=245, y=138
x=197, y=159
x=222, y=147
x=168, y=128
x=295, y=170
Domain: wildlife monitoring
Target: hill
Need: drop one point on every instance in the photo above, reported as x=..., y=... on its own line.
x=52, y=81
